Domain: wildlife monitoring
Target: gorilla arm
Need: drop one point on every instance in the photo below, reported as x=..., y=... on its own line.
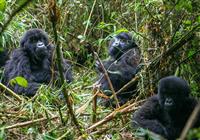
x=67, y=71
x=19, y=65
x=106, y=64
x=148, y=117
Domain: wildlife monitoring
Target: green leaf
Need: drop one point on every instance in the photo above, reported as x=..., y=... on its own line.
x=2, y=5
x=121, y=30
x=20, y=81
x=191, y=53
x=198, y=19
x=187, y=22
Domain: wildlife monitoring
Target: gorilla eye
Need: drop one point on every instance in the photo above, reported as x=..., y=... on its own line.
x=32, y=40
x=44, y=40
x=122, y=40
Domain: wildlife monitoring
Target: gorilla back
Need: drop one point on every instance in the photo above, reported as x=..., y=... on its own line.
x=33, y=61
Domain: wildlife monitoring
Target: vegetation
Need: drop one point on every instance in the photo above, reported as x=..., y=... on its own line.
x=168, y=33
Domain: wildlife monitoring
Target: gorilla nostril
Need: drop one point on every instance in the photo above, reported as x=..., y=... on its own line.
x=169, y=102
x=116, y=43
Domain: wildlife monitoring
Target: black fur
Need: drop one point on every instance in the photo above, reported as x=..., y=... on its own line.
x=121, y=67
x=4, y=56
x=167, y=112
x=33, y=61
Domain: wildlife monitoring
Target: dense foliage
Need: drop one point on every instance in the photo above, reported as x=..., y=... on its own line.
x=167, y=33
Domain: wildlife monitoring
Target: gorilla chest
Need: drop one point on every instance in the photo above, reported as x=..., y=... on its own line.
x=41, y=74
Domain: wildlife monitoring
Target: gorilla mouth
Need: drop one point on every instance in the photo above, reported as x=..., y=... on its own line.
x=41, y=45
x=41, y=54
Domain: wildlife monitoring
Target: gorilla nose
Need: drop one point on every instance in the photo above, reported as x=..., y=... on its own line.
x=40, y=45
x=168, y=102
x=115, y=42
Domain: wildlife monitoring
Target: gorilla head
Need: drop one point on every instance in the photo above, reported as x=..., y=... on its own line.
x=120, y=44
x=172, y=92
x=36, y=43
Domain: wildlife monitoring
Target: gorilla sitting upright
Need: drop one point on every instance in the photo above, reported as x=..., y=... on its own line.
x=33, y=61
x=121, y=68
x=167, y=112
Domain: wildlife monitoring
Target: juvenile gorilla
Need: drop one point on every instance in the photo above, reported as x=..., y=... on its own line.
x=121, y=67
x=33, y=61
x=167, y=112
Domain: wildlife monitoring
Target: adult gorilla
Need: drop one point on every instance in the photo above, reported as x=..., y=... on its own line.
x=121, y=67
x=33, y=61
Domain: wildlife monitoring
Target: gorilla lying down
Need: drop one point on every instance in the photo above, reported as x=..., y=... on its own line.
x=167, y=112
x=33, y=61
x=121, y=68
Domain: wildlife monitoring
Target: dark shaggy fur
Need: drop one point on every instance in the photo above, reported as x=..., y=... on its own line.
x=167, y=112
x=121, y=67
x=4, y=56
x=33, y=61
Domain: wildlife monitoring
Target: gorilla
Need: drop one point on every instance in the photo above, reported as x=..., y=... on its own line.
x=4, y=56
x=167, y=112
x=121, y=67
x=33, y=61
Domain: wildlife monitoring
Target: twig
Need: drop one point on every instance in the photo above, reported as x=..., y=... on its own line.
x=23, y=124
x=176, y=30
x=108, y=79
x=148, y=10
x=193, y=118
x=86, y=28
x=184, y=60
x=6, y=23
x=130, y=83
x=7, y=116
x=54, y=17
x=115, y=113
x=94, y=107
x=11, y=92
x=64, y=135
x=167, y=16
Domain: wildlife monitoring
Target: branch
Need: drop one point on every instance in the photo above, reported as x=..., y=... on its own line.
x=54, y=16
x=23, y=124
x=115, y=114
x=12, y=93
x=193, y=118
x=108, y=79
x=86, y=28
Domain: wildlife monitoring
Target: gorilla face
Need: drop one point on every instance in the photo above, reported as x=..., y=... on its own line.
x=36, y=43
x=120, y=44
x=172, y=92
